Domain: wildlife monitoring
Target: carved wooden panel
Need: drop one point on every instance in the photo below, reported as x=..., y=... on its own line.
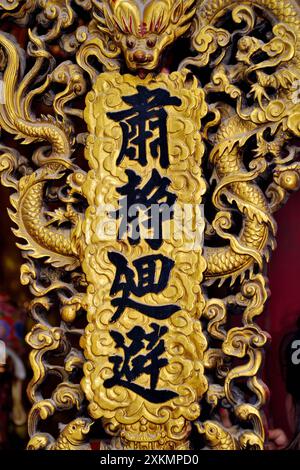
x=147, y=144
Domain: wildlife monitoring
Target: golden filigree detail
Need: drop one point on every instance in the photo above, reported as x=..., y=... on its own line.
x=249, y=76
x=72, y=437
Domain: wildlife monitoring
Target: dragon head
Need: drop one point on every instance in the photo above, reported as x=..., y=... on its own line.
x=76, y=431
x=142, y=29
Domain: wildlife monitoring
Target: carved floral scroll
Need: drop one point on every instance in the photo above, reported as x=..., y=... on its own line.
x=166, y=103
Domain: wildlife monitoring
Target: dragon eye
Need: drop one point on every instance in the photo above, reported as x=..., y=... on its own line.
x=130, y=43
x=151, y=42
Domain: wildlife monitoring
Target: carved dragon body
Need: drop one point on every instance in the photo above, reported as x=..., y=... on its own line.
x=41, y=239
x=254, y=238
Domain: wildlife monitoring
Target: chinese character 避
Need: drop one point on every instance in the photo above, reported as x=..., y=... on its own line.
x=142, y=356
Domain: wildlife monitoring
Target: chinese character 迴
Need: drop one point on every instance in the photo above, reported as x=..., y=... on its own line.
x=131, y=365
x=145, y=115
x=149, y=280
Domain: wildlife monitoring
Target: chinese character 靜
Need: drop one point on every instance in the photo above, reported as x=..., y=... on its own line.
x=153, y=200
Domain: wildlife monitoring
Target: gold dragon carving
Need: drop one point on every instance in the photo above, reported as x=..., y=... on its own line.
x=231, y=73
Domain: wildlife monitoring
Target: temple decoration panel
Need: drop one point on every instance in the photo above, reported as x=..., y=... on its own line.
x=147, y=145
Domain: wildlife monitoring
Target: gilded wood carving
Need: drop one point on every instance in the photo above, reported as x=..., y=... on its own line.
x=112, y=110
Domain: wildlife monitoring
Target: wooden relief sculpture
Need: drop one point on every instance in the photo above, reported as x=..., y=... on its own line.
x=148, y=144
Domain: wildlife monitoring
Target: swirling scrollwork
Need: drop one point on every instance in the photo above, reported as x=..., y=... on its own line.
x=237, y=127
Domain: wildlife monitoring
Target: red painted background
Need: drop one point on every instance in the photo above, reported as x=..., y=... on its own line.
x=284, y=305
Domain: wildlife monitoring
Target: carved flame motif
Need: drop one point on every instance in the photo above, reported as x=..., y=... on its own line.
x=144, y=356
